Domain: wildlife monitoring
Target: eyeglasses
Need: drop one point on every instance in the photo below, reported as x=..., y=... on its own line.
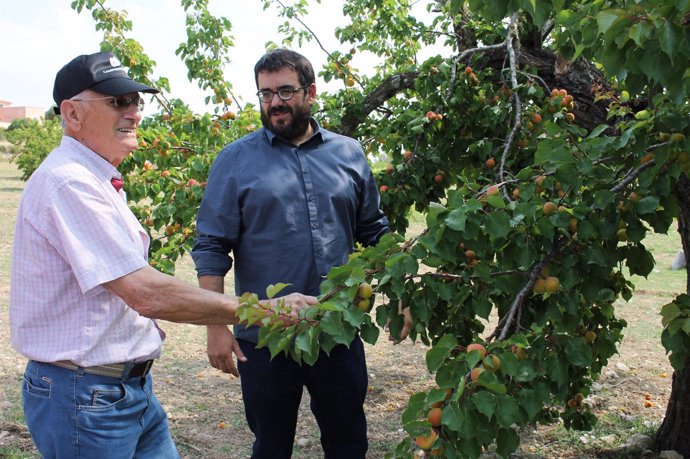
x=266, y=95
x=118, y=102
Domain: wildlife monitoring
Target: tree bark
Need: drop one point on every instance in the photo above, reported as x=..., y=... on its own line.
x=673, y=432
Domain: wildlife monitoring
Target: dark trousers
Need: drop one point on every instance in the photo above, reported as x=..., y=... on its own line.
x=272, y=391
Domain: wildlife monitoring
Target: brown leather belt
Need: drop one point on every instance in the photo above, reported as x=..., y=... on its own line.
x=126, y=370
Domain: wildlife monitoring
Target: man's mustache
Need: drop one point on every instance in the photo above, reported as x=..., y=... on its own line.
x=279, y=110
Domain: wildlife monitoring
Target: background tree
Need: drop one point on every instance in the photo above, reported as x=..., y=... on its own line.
x=542, y=140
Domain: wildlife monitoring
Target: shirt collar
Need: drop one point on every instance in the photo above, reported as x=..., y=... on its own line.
x=318, y=133
x=87, y=156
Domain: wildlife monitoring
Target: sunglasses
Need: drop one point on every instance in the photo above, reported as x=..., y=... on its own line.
x=118, y=102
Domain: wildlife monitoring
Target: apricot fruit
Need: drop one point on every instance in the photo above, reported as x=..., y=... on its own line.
x=425, y=442
x=477, y=347
x=549, y=208
x=365, y=291
x=434, y=416
x=551, y=284
x=474, y=374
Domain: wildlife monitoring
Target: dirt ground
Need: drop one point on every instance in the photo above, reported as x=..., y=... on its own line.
x=207, y=421
x=205, y=407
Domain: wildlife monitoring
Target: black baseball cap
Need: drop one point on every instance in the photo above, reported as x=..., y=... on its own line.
x=101, y=72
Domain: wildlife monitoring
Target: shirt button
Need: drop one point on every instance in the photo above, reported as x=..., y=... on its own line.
x=305, y=171
x=314, y=226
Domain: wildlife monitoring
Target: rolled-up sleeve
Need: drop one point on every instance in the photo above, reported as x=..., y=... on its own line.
x=218, y=221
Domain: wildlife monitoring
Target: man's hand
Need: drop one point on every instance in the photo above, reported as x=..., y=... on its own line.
x=220, y=347
x=296, y=302
x=407, y=324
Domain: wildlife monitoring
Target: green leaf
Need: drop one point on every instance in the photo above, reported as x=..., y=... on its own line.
x=437, y=355
x=273, y=290
x=557, y=370
x=670, y=39
x=531, y=402
x=606, y=19
x=453, y=417
x=456, y=219
x=507, y=412
x=553, y=153
x=639, y=261
x=653, y=64
x=485, y=403
x=498, y=225
x=640, y=32
x=669, y=312
x=647, y=205
x=577, y=351
x=603, y=198
x=370, y=333
x=332, y=322
x=496, y=201
x=507, y=441
x=303, y=341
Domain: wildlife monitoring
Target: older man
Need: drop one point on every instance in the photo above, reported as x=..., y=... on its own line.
x=82, y=296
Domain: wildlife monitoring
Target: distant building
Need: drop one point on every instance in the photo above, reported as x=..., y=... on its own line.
x=9, y=113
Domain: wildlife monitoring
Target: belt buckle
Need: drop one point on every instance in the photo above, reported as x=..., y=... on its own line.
x=139, y=370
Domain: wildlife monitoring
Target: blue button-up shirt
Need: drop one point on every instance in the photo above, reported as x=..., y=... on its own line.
x=286, y=213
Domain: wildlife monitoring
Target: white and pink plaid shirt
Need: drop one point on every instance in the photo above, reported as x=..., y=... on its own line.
x=74, y=232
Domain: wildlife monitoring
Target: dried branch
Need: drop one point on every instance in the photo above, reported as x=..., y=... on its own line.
x=511, y=42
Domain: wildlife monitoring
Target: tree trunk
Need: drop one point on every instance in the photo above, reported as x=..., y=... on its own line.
x=673, y=433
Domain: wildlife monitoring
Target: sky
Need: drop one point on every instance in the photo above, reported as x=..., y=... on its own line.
x=38, y=37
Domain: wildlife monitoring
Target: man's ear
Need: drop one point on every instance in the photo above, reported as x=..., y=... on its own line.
x=312, y=93
x=71, y=115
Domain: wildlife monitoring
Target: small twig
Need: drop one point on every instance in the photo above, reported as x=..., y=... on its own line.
x=535, y=77
x=632, y=175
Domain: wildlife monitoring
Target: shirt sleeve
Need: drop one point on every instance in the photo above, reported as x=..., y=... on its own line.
x=86, y=227
x=371, y=221
x=218, y=221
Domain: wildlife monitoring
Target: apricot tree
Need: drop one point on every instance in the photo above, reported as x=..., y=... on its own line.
x=542, y=141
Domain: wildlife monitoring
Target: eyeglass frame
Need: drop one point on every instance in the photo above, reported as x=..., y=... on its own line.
x=140, y=103
x=292, y=91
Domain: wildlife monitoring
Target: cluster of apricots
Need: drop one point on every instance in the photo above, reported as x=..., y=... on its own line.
x=364, y=296
x=559, y=100
x=576, y=401
x=433, y=116
x=490, y=362
x=471, y=76
x=470, y=255
x=546, y=283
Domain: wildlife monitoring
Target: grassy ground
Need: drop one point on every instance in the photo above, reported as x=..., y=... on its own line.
x=205, y=409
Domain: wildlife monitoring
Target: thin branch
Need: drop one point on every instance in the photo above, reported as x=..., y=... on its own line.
x=632, y=175
x=511, y=41
x=504, y=325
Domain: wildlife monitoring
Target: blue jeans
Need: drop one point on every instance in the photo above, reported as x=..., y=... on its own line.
x=272, y=392
x=72, y=415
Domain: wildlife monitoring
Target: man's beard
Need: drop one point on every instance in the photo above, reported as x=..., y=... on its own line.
x=295, y=127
